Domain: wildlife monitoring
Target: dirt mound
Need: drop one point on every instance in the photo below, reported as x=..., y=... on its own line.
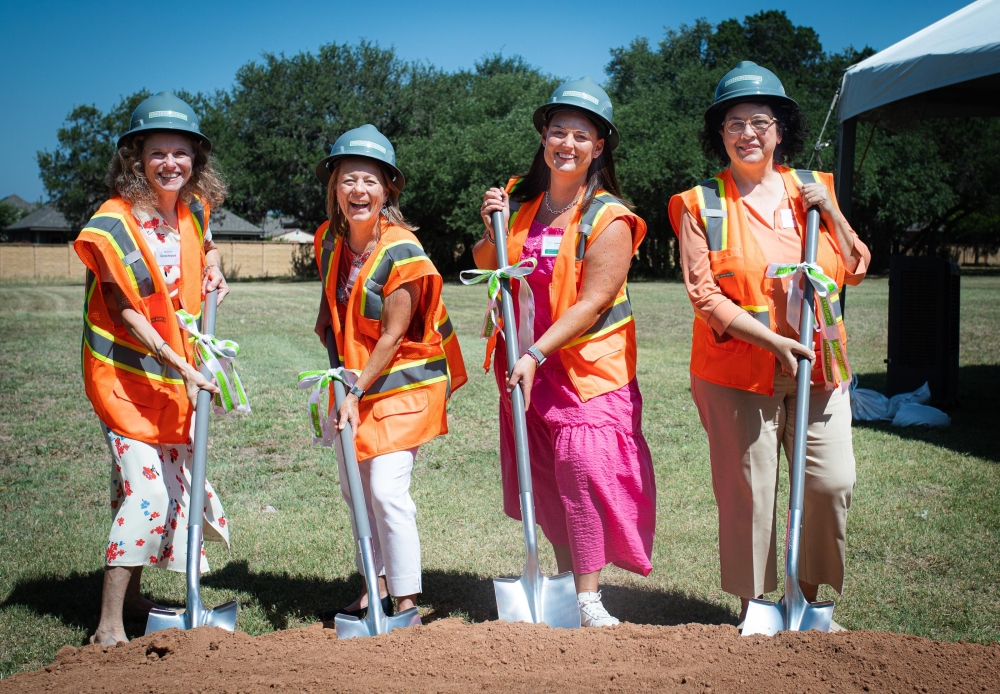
x=449, y=656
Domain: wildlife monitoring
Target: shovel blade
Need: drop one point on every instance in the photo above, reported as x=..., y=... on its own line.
x=159, y=620
x=223, y=616
x=544, y=600
x=375, y=623
x=816, y=616
x=763, y=617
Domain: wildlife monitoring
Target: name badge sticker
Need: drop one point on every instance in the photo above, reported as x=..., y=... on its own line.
x=550, y=245
x=168, y=255
x=787, y=220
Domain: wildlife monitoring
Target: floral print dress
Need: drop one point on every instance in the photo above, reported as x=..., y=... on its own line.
x=150, y=495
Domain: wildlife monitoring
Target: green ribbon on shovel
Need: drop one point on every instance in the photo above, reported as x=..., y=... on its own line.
x=218, y=355
x=833, y=351
x=320, y=382
x=525, y=299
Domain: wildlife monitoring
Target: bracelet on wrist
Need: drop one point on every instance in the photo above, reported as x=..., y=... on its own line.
x=159, y=355
x=536, y=354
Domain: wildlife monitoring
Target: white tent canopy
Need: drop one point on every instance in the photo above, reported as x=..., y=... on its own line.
x=951, y=68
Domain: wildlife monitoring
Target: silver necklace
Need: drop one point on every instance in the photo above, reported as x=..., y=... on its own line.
x=558, y=212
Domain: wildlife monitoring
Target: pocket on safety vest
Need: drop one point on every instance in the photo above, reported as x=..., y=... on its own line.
x=401, y=419
x=727, y=266
x=140, y=395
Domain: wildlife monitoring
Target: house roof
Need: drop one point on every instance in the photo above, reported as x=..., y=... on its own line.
x=226, y=222
x=45, y=217
x=20, y=203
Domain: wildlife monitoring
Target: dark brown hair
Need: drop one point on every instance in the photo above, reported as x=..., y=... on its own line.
x=390, y=211
x=126, y=176
x=791, y=125
x=600, y=174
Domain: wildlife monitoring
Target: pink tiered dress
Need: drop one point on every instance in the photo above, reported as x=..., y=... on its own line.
x=591, y=469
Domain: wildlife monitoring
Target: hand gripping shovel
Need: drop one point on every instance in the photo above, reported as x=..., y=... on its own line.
x=794, y=612
x=533, y=597
x=196, y=614
x=375, y=621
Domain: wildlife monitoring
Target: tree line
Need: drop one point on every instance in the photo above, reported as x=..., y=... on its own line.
x=922, y=186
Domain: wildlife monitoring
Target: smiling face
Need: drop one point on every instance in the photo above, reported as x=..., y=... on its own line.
x=750, y=147
x=571, y=142
x=361, y=192
x=167, y=161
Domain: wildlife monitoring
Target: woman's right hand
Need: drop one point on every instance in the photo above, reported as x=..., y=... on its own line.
x=788, y=351
x=495, y=199
x=194, y=381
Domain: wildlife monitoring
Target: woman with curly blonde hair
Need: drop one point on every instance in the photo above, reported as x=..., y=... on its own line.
x=149, y=253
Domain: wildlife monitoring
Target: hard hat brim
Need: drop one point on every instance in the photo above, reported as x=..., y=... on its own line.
x=743, y=95
x=159, y=127
x=324, y=170
x=611, y=140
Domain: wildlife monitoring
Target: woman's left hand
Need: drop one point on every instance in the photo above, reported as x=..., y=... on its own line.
x=349, y=414
x=214, y=280
x=817, y=195
x=523, y=374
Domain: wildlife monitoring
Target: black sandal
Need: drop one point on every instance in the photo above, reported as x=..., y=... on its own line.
x=331, y=615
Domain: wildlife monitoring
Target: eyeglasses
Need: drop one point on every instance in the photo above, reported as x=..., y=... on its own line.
x=759, y=123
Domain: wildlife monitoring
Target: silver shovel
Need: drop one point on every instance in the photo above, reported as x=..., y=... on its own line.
x=196, y=614
x=794, y=612
x=533, y=597
x=375, y=621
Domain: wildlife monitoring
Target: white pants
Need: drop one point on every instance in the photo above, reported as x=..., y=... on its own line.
x=392, y=516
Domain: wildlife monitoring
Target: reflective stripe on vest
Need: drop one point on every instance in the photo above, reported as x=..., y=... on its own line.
x=326, y=256
x=615, y=316
x=398, y=253
x=445, y=329
x=103, y=346
x=598, y=206
x=114, y=228
x=197, y=208
x=714, y=218
x=414, y=374
x=804, y=176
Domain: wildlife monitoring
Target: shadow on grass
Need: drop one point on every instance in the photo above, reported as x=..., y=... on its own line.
x=974, y=429
x=75, y=600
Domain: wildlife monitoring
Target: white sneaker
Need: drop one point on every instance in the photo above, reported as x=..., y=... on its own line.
x=592, y=612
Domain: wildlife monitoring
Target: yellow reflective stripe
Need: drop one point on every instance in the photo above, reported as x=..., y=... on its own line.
x=409, y=375
x=114, y=243
x=725, y=220
x=755, y=309
x=608, y=312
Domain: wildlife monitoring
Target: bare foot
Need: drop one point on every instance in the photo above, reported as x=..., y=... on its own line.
x=104, y=638
x=138, y=606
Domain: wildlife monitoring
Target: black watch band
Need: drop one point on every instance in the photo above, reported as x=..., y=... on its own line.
x=357, y=392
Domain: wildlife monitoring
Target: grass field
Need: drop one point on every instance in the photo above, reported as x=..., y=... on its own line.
x=923, y=534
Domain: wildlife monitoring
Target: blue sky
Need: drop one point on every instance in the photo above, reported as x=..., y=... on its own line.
x=55, y=55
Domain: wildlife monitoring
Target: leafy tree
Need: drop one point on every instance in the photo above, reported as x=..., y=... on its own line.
x=73, y=174
x=9, y=214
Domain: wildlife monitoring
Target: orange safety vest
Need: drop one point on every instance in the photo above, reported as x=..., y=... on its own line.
x=602, y=359
x=739, y=266
x=131, y=392
x=405, y=406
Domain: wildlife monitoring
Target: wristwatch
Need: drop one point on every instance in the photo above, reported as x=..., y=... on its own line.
x=535, y=354
x=357, y=392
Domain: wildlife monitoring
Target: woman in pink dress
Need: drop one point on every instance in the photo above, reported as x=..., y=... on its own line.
x=592, y=472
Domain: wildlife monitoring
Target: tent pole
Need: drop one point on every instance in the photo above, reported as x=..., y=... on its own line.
x=847, y=134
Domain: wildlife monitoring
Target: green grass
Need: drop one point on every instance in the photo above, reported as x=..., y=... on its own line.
x=923, y=534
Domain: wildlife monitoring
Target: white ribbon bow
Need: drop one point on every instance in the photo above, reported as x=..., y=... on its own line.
x=833, y=352
x=218, y=355
x=525, y=299
x=320, y=382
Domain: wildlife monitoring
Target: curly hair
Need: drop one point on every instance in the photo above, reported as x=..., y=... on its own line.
x=791, y=125
x=127, y=178
x=390, y=211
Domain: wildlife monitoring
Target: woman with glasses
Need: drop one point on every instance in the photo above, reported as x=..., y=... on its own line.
x=744, y=347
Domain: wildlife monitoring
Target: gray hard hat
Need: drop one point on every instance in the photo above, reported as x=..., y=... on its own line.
x=748, y=81
x=584, y=95
x=367, y=142
x=164, y=111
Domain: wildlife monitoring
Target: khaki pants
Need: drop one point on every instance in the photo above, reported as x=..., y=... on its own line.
x=745, y=431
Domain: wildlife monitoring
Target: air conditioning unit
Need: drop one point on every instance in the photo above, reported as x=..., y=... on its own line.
x=923, y=326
